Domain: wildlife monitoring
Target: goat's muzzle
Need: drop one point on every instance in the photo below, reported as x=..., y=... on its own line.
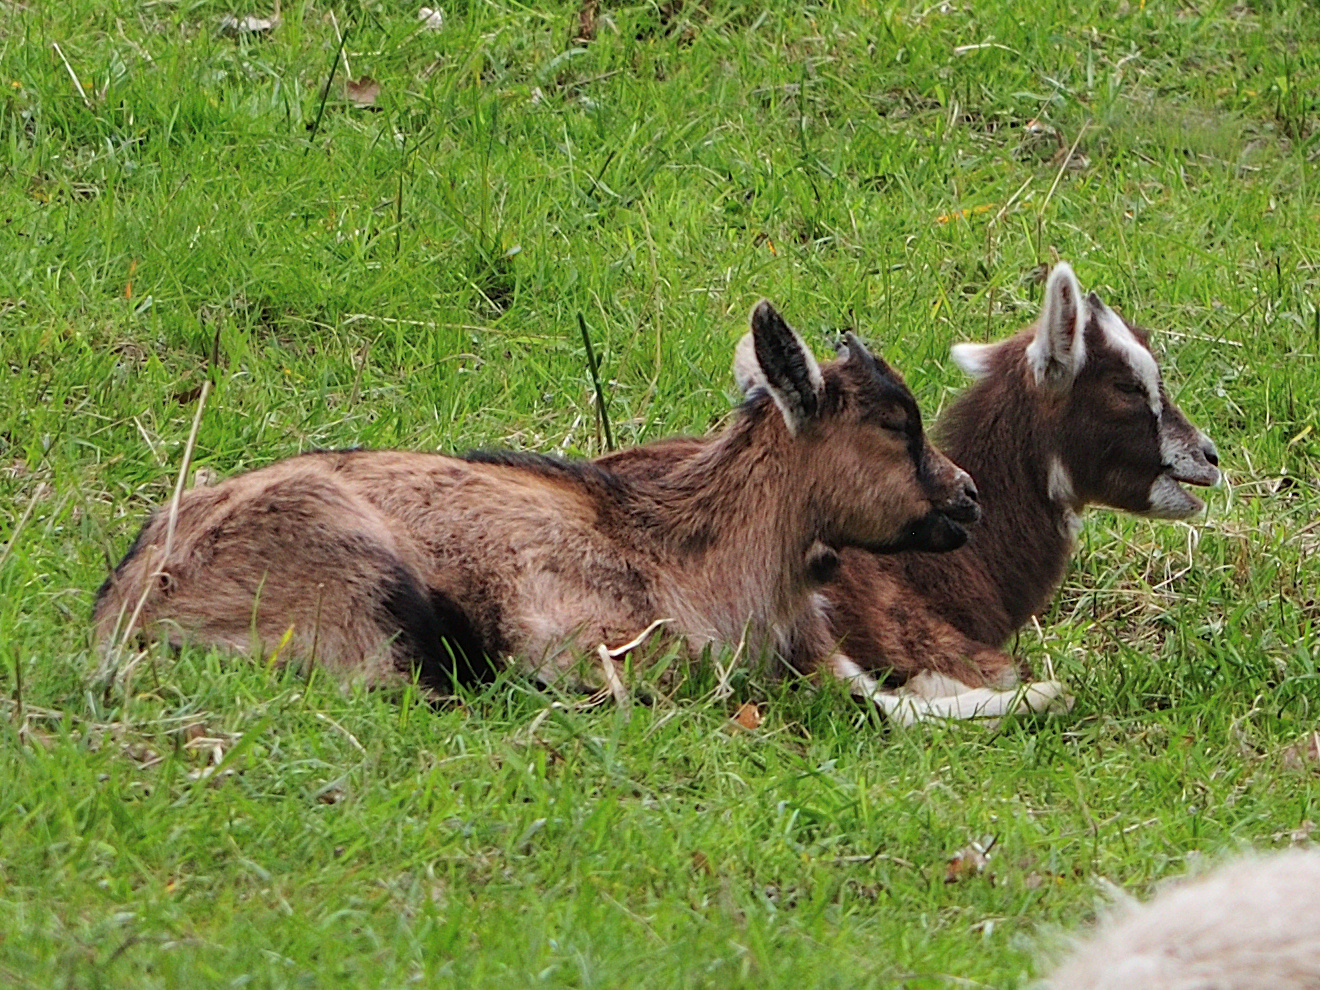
x=1194, y=465
x=935, y=532
x=965, y=507
x=942, y=528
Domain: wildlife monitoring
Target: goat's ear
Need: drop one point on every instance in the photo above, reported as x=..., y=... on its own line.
x=746, y=372
x=974, y=359
x=774, y=357
x=1059, y=350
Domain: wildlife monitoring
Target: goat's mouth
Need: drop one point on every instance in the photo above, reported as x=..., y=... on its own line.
x=1203, y=476
x=938, y=531
x=964, y=510
x=1170, y=500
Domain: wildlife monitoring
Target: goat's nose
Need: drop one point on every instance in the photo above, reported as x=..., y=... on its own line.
x=965, y=506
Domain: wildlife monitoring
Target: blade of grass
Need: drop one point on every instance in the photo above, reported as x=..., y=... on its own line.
x=602, y=414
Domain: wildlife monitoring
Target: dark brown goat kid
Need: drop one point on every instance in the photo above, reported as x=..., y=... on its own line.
x=386, y=565
x=1069, y=413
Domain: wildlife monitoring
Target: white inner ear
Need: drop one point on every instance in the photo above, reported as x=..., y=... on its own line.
x=814, y=375
x=1061, y=334
x=746, y=369
x=973, y=359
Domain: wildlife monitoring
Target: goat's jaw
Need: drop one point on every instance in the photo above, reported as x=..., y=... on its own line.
x=1188, y=459
x=938, y=531
x=1170, y=500
x=935, y=532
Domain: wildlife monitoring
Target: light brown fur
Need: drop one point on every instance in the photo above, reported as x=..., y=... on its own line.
x=366, y=560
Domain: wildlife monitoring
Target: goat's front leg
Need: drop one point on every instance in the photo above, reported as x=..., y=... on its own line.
x=951, y=698
x=929, y=696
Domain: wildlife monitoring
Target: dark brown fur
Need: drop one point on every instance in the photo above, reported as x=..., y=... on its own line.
x=899, y=615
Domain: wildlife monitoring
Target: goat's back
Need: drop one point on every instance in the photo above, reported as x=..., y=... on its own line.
x=331, y=554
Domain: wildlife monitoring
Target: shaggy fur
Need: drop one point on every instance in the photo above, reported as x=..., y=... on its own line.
x=386, y=564
x=1251, y=925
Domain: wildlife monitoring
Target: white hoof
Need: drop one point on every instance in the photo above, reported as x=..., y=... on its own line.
x=1043, y=698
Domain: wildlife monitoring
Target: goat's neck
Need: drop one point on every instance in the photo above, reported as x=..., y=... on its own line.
x=736, y=528
x=1030, y=519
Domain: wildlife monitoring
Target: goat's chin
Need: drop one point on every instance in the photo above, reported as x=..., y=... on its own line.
x=1170, y=500
x=934, y=532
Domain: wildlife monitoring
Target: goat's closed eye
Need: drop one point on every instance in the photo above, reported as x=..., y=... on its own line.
x=1130, y=387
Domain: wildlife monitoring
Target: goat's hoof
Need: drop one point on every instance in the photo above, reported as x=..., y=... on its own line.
x=1044, y=698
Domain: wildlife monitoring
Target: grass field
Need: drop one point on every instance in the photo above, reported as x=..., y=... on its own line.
x=179, y=202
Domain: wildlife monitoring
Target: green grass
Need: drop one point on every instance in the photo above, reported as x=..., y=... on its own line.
x=412, y=276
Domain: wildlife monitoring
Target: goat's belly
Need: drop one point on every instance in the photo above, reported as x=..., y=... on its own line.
x=560, y=618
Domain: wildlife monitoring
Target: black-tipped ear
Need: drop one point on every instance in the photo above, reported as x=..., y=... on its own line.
x=779, y=361
x=1058, y=352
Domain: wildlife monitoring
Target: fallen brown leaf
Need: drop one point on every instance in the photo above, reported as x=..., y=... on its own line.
x=586, y=27
x=969, y=861
x=748, y=716
x=188, y=396
x=142, y=754
x=1304, y=754
x=362, y=92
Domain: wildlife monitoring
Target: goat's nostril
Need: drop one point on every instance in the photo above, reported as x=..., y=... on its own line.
x=1211, y=455
x=970, y=491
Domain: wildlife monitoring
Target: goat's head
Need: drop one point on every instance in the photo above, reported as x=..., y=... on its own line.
x=1116, y=438
x=869, y=470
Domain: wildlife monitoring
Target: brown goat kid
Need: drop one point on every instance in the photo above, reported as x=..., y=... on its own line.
x=386, y=565
x=1069, y=413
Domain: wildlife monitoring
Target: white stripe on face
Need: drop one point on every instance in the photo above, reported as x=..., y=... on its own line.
x=1121, y=339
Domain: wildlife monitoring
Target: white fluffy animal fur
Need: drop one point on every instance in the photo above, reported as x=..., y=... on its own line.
x=1253, y=924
